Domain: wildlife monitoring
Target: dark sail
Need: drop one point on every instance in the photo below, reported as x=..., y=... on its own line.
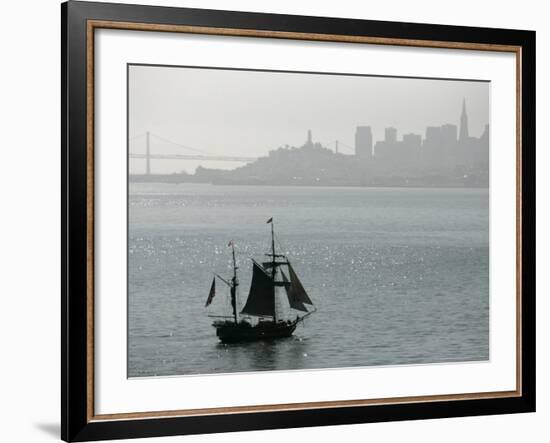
x=297, y=290
x=212, y=293
x=261, y=298
x=293, y=300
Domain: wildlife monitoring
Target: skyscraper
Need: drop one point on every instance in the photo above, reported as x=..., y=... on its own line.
x=363, y=142
x=390, y=135
x=463, y=123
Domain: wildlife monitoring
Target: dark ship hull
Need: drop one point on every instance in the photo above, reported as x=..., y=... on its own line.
x=230, y=332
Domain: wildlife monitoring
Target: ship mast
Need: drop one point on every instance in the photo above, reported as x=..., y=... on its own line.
x=273, y=246
x=266, y=286
x=234, y=284
x=273, y=266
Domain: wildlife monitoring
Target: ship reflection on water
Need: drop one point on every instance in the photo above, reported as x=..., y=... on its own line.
x=268, y=355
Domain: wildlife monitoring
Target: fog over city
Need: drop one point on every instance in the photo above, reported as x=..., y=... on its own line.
x=250, y=113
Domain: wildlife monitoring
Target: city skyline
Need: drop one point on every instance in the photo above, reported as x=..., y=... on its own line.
x=260, y=111
x=447, y=156
x=446, y=149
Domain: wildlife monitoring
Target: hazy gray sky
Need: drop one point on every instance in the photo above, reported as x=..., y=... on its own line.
x=248, y=113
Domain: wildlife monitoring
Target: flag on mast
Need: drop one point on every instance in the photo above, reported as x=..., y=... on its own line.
x=270, y=220
x=212, y=292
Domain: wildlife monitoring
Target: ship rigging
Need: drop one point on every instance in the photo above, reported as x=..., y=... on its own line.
x=272, y=281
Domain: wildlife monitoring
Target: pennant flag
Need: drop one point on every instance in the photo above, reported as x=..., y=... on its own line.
x=270, y=220
x=230, y=243
x=212, y=292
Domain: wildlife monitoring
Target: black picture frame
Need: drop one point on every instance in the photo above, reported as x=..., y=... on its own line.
x=77, y=423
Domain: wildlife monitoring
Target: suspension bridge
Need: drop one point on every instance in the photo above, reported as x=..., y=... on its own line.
x=186, y=152
x=191, y=153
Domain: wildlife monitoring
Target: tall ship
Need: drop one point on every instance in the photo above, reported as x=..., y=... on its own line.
x=272, y=281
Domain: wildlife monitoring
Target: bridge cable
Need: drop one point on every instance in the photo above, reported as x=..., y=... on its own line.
x=180, y=145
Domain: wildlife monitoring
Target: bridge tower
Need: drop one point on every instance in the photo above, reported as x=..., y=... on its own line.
x=147, y=154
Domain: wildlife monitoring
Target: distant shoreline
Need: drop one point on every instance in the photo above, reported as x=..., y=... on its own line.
x=170, y=179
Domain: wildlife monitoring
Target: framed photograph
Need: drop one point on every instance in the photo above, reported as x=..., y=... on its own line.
x=275, y=221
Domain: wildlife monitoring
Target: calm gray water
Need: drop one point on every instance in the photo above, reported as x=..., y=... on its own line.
x=399, y=276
